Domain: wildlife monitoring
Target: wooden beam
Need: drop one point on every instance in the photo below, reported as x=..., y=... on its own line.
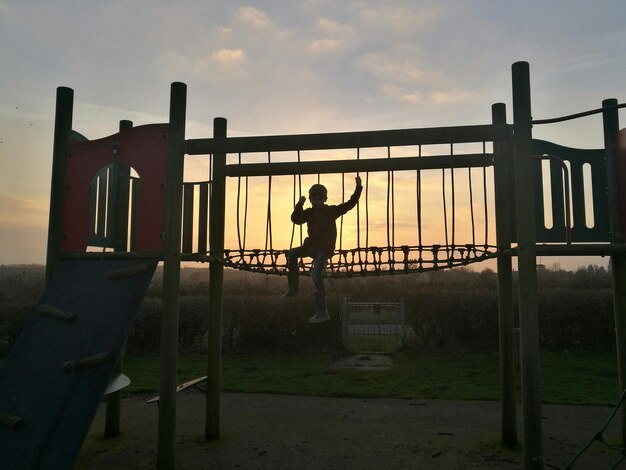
x=362, y=165
x=343, y=140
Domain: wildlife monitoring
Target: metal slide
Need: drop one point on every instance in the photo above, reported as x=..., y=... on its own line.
x=53, y=380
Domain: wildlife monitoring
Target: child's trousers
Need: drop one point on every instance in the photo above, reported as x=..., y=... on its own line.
x=319, y=264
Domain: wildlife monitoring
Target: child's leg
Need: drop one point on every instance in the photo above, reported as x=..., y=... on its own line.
x=292, y=258
x=317, y=273
x=292, y=270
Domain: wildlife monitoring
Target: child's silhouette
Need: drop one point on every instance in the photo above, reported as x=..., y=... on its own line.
x=320, y=243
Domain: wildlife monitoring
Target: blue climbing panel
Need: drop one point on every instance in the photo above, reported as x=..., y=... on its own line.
x=54, y=377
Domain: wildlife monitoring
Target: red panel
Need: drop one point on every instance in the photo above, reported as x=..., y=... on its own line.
x=144, y=148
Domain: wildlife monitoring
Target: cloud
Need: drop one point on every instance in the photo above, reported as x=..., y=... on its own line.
x=20, y=211
x=228, y=56
x=386, y=68
x=398, y=19
x=223, y=30
x=220, y=64
x=400, y=78
x=253, y=17
x=331, y=27
x=451, y=96
x=322, y=46
x=6, y=10
x=335, y=36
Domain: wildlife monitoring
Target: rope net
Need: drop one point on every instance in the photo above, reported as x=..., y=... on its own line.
x=406, y=221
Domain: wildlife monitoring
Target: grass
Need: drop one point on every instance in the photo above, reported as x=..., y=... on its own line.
x=375, y=343
x=567, y=378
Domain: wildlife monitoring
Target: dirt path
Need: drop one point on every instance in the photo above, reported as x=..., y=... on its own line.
x=297, y=432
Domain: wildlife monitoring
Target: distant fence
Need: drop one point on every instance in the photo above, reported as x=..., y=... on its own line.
x=373, y=327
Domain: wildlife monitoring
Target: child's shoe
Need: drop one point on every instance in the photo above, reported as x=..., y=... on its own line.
x=321, y=310
x=293, y=279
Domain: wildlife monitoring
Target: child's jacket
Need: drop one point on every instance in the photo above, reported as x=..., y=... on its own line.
x=320, y=221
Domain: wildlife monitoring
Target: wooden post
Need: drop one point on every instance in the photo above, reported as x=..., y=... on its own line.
x=121, y=178
x=121, y=181
x=216, y=286
x=503, y=174
x=171, y=276
x=62, y=131
x=527, y=267
x=610, y=120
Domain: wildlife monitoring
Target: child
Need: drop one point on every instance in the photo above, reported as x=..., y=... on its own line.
x=320, y=243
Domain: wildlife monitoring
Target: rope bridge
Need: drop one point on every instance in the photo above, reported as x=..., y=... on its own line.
x=458, y=185
x=364, y=260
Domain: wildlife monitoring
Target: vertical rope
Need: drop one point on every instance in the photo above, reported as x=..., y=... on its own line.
x=388, y=189
x=209, y=201
x=358, y=214
x=393, y=207
x=471, y=196
x=245, y=215
x=453, y=196
x=343, y=196
x=300, y=194
x=445, y=208
x=419, y=199
x=391, y=243
x=268, y=225
x=293, y=226
x=367, y=215
x=485, y=195
x=238, y=208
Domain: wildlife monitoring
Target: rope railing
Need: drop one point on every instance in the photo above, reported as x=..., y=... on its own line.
x=597, y=437
x=570, y=117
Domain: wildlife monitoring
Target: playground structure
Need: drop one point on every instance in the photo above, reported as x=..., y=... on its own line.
x=126, y=193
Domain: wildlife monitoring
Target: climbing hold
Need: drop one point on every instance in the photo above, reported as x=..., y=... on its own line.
x=87, y=362
x=130, y=271
x=56, y=313
x=10, y=421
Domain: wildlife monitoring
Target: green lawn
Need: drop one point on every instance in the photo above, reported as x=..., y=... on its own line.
x=569, y=378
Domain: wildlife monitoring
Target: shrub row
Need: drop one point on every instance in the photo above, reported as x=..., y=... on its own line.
x=451, y=310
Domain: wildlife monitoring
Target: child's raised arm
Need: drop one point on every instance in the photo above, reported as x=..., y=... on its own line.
x=298, y=212
x=358, y=183
x=350, y=203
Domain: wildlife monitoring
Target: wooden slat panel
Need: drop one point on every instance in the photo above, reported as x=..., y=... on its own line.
x=135, y=190
x=102, y=192
x=122, y=192
x=188, y=217
x=578, y=199
x=202, y=217
x=93, y=194
x=558, y=200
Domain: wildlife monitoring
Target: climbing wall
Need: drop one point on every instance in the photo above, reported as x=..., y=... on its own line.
x=55, y=375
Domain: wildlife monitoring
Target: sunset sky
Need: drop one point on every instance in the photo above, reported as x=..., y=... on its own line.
x=304, y=66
